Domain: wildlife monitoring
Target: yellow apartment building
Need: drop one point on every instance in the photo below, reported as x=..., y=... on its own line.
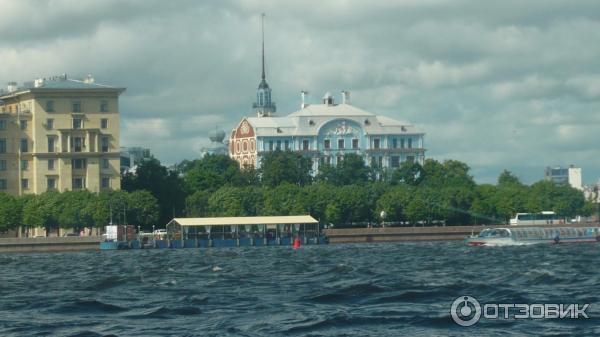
x=59, y=134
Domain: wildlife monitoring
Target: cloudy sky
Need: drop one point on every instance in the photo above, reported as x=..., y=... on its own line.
x=502, y=84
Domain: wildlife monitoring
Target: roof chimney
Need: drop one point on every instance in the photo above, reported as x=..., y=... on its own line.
x=303, y=94
x=12, y=86
x=345, y=97
x=38, y=83
x=328, y=99
x=88, y=79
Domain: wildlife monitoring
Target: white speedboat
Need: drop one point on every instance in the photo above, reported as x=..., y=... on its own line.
x=533, y=235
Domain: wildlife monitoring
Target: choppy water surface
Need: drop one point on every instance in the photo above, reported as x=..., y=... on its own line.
x=336, y=290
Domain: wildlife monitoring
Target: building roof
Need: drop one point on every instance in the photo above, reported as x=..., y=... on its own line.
x=309, y=120
x=245, y=220
x=331, y=110
x=61, y=82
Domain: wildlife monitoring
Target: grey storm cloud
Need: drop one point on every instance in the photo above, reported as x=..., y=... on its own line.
x=499, y=85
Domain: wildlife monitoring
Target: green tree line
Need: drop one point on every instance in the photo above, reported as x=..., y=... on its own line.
x=78, y=209
x=348, y=193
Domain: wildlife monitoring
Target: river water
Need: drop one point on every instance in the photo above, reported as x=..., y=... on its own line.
x=330, y=290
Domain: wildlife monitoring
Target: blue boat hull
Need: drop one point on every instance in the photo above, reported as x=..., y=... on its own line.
x=205, y=243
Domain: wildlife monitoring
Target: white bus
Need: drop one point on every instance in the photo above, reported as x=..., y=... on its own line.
x=541, y=218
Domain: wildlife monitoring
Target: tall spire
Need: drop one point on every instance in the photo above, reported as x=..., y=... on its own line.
x=262, y=29
x=263, y=107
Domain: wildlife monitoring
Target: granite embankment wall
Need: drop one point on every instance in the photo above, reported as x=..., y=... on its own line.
x=50, y=244
x=390, y=234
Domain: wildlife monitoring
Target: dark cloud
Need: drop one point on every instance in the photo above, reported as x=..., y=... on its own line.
x=508, y=84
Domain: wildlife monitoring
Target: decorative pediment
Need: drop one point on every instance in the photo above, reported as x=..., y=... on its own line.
x=342, y=129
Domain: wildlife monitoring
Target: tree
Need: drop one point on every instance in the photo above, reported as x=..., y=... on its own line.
x=10, y=212
x=394, y=203
x=235, y=201
x=483, y=208
x=351, y=170
x=73, y=209
x=100, y=208
x=196, y=205
x=506, y=178
x=142, y=208
x=164, y=184
x=410, y=173
x=215, y=171
x=41, y=210
x=278, y=167
x=285, y=199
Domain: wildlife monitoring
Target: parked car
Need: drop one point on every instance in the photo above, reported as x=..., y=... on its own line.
x=160, y=232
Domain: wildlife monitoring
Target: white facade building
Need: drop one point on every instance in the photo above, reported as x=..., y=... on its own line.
x=325, y=133
x=560, y=175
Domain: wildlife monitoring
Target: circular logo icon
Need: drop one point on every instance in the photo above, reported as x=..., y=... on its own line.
x=465, y=311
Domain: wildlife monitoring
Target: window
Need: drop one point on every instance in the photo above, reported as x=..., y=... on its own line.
x=2, y=145
x=328, y=160
x=270, y=145
x=287, y=144
x=395, y=143
x=278, y=145
x=410, y=143
x=49, y=123
x=355, y=143
x=402, y=143
x=380, y=163
x=51, y=183
x=305, y=144
x=341, y=143
x=49, y=106
x=410, y=159
x=79, y=163
x=105, y=163
x=51, y=144
x=105, y=144
x=340, y=159
x=104, y=123
x=77, y=123
x=105, y=183
x=103, y=106
x=395, y=161
x=77, y=144
x=24, y=165
x=24, y=184
x=50, y=164
x=78, y=183
x=76, y=106
x=2, y=124
x=2, y=165
x=376, y=143
x=3, y=184
x=24, y=145
x=23, y=124
x=327, y=144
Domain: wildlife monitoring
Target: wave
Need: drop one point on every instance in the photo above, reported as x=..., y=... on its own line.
x=89, y=306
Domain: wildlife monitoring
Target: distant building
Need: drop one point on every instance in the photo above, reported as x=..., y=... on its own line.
x=570, y=175
x=324, y=133
x=592, y=192
x=59, y=134
x=133, y=156
x=217, y=144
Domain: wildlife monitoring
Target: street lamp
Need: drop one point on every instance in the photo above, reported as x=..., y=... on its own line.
x=383, y=215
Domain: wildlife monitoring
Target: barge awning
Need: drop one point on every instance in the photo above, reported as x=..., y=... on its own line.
x=244, y=220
